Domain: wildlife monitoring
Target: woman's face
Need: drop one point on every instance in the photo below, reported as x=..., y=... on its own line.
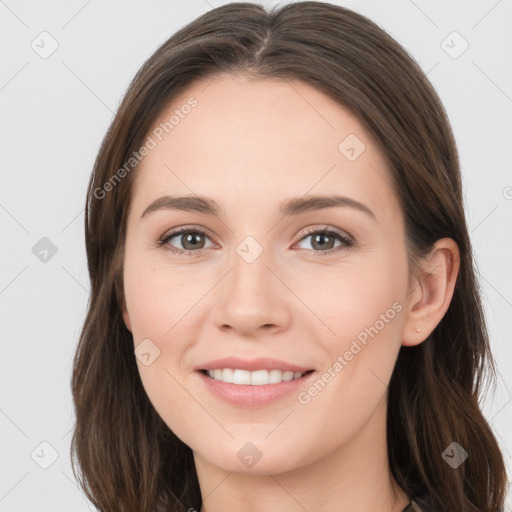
x=262, y=279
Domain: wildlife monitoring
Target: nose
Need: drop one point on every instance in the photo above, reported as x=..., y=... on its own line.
x=252, y=298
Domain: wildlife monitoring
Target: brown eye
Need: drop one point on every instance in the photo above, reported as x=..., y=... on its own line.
x=191, y=240
x=323, y=240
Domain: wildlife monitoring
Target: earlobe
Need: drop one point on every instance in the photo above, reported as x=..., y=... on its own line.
x=431, y=292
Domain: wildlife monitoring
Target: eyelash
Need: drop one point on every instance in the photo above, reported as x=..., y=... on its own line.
x=346, y=241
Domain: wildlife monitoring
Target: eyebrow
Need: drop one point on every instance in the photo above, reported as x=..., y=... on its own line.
x=289, y=207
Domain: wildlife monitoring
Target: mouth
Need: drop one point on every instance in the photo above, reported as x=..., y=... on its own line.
x=261, y=377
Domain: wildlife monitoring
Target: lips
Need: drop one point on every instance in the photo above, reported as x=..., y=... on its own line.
x=254, y=395
x=260, y=363
x=253, y=382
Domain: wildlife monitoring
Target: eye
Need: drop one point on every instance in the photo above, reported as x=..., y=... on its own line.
x=192, y=240
x=324, y=238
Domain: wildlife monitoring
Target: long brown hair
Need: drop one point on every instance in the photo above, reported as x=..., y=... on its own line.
x=127, y=459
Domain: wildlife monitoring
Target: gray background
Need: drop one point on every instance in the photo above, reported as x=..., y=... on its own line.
x=55, y=111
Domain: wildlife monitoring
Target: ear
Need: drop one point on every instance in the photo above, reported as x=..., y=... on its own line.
x=431, y=291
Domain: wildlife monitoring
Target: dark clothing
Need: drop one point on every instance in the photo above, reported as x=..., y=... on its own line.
x=419, y=504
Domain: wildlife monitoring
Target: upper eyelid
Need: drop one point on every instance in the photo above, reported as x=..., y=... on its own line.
x=185, y=229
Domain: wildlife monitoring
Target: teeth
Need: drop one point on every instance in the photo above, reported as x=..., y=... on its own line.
x=256, y=378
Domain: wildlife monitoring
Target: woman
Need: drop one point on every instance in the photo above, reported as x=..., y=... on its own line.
x=284, y=313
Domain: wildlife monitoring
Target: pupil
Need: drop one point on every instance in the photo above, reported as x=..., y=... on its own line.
x=321, y=237
x=190, y=238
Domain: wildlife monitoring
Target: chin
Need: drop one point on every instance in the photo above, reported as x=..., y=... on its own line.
x=252, y=458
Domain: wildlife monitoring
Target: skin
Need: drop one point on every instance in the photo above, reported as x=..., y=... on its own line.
x=249, y=145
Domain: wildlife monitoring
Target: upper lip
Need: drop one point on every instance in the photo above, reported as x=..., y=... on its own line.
x=260, y=363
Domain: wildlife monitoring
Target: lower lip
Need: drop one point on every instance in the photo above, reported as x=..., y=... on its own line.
x=246, y=395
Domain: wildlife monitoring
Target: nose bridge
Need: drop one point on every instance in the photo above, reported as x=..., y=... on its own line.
x=250, y=272
x=252, y=295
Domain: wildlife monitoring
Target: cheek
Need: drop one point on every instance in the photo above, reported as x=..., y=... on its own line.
x=160, y=302
x=155, y=303
x=353, y=299
x=363, y=315
x=155, y=296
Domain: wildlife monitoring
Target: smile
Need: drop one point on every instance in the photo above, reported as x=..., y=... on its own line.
x=253, y=378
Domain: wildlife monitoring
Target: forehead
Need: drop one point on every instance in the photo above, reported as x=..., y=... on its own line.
x=259, y=140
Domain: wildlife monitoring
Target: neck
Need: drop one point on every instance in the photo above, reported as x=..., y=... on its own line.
x=354, y=477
